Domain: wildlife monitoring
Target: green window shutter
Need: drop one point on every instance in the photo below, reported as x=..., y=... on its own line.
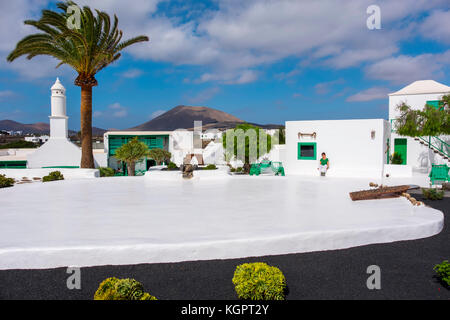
x=307, y=151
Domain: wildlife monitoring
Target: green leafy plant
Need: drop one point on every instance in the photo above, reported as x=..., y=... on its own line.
x=53, y=176
x=160, y=155
x=433, y=194
x=430, y=121
x=239, y=169
x=244, y=131
x=6, y=182
x=259, y=281
x=232, y=169
x=106, y=172
x=121, y=289
x=396, y=158
x=443, y=271
x=172, y=166
x=132, y=152
x=210, y=167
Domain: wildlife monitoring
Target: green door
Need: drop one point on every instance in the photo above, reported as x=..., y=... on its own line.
x=400, y=146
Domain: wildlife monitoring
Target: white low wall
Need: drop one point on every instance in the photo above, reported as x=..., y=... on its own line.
x=34, y=173
x=397, y=171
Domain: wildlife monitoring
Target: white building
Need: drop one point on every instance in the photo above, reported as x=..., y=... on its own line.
x=363, y=147
x=419, y=153
x=58, y=151
x=355, y=148
x=37, y=139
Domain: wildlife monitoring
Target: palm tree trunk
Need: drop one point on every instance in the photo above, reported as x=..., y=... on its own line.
x=87, y=158
x=131, y=168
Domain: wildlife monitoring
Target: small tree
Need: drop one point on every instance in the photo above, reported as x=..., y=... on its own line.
x=160, y=155
x=430, y=121
x=132, y=152
x=237, y=143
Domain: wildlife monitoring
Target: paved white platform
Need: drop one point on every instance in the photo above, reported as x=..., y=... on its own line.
x=130, y=220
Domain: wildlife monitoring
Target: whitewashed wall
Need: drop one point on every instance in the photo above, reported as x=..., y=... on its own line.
x=55, y=152
x=348, y=145
x=415, y=101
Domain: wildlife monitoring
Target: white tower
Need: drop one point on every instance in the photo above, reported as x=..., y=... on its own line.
x=58, y=151
x=58, y=119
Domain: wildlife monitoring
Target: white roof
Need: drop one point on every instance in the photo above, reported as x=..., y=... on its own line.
x=422, y=87
x=58, y=85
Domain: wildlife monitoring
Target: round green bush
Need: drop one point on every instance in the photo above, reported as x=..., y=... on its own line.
x=211, y=167
x=259, y=281
x=172, y=166
x=443, y=271
x=6, y=182
x=107, y=172
x=121, y=289
x=53, y=176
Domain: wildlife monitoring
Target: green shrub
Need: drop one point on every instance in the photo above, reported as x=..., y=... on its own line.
x=53, y=176
x=433, y=194
x=396, y=158
x=121, y=289
x=106, y=172
x=6, y=182
x=239, y=169
x=443, y=271
x=259, y=281
x=172, y=166
x=232, y=169
x=20, y=144
x=210, y=167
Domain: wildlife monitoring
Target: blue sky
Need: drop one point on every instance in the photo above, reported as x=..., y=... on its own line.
x=262, y=61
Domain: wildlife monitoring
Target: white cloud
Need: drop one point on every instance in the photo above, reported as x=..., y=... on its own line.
x=325, y=87
x=6, y=94
x=437, y=26
x=241, y=36
x=405, y=69
x=370, y=94
x=132, y=73
x=203, y=96
x=115, y=110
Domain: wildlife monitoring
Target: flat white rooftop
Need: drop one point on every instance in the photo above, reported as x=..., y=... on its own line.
x=130, y=220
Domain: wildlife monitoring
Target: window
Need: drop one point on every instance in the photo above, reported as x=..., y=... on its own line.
x=307, y=151
x=434, y=103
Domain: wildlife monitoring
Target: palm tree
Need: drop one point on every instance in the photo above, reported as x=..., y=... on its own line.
x=132, y=152
x=88, y=49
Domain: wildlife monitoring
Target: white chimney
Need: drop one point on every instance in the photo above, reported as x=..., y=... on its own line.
x=58, y=119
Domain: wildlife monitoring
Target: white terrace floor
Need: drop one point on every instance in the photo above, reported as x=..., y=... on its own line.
x=130, y=220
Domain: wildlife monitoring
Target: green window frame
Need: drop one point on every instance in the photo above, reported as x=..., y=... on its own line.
x=434, y=103
x=306, y=144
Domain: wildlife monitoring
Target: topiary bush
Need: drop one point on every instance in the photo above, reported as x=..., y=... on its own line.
x=53, y=176
x=210, y=167
x=107, y=172
x=433, y=194
x=259, y=281
x=6, y=182
x=121, y=289
x=443, y=271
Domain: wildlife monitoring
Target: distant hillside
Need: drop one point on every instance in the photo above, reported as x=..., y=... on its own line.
x=37, y=128
x=184, y=117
